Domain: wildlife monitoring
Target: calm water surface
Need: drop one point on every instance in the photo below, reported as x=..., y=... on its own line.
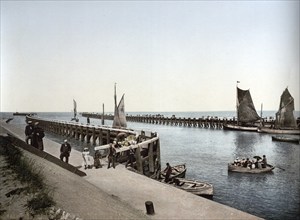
x=207, y=152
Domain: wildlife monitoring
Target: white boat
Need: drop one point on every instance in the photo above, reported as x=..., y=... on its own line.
x=241, y=169
x=194, y=186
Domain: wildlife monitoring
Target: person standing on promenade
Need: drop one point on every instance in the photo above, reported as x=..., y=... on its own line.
x=168, y=171
x=28, y=132
x=87, y=158
x=130, y=156
x=65, y=151
x=97, y=162
x=111, y=156
x=37, y=136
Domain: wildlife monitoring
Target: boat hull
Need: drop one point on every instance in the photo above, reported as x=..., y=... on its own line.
x=239, y=128
x=286, y=139
x=279, y=131
x=240, y=169
x=194, y=186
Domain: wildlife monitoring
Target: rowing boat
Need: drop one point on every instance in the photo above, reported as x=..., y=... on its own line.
x=194, y=186
x=241, y=169
x=178, y=171
x=286, y=139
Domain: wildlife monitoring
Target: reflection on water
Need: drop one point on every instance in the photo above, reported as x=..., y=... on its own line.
x=207, y=152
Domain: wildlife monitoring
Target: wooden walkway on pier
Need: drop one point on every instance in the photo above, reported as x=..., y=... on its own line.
x=203, y=122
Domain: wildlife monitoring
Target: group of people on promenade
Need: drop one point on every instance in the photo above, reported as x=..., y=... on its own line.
x=252, y=164
x=34, y=134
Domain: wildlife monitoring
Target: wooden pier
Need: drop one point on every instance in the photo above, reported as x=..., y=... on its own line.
x=203, y=122
x=147, y=146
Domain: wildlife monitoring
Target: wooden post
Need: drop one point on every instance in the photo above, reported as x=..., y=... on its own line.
x=107, y=136
x=100, y=137
x=139, y=163
x=94, y=136
x=151, y=158
x=102, y=120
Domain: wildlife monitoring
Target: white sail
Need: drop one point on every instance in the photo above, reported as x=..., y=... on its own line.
x=75, y=111
x=119, y=116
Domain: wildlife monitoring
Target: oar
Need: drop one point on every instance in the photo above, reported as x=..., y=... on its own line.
x=280, y=168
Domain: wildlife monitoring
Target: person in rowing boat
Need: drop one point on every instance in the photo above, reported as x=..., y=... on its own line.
x=264, y=162
x=168, y=171
x=247, y=163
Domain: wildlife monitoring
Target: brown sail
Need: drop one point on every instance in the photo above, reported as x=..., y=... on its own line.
x=246, y=112
x=285, y=116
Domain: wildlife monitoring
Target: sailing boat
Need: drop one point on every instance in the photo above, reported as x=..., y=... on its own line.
x=246, y=113
x=119, y=116
x=75, y=112
x=285, y=122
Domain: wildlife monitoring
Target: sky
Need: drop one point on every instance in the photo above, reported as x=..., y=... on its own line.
x=163, y=55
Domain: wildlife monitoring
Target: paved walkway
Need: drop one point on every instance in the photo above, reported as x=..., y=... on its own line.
x=135, y=189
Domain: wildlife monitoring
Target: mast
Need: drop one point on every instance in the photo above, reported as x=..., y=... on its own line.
x=261, y=118
x=102, y=121
x=237, y=102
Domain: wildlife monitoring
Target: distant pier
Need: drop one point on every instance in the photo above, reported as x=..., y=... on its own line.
x=203, y=122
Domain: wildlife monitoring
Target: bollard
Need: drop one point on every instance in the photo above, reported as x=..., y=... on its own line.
x=149, y=207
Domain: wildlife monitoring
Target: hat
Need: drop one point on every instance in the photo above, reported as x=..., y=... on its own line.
x=65, y=140
x=29, y=122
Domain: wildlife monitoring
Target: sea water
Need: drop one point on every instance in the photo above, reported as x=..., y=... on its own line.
x=207, y=152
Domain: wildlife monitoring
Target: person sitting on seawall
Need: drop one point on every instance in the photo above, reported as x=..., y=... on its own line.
x=65, y=151
x=264, y=162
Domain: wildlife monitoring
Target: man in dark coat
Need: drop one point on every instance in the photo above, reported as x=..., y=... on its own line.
x=65, y=151
x=130, y=157
x=29, y=132
x=168, y=171
x=37, y=136
x=111, y=156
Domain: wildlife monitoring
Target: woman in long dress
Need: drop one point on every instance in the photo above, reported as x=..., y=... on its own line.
x=87, y=159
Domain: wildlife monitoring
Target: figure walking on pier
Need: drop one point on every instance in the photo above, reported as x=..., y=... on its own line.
x=37, y=136
x=65, y=151
x=111, y=156
x=168, y=171
x=29, y=132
